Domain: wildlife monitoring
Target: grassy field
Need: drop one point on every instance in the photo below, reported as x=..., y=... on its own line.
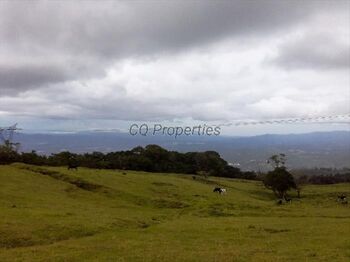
x=52, y=214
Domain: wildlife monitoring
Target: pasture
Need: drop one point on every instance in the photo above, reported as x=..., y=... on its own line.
x=52, y=214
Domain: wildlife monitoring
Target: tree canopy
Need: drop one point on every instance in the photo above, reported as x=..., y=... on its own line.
x=279, y=181
x=151, y=158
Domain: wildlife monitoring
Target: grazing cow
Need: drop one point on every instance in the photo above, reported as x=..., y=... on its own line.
x=73, y=166
x=342, y=199
x=219, y=190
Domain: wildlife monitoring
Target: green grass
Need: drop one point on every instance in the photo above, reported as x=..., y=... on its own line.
x=52, y=214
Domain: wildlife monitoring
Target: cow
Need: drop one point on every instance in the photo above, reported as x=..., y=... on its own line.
x=342, y=199
x=219, y=190
x=73, y=166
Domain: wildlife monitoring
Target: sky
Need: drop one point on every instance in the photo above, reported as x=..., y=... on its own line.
x=87, y=65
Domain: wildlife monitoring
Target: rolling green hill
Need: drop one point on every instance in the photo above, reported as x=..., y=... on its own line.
x=52, y=214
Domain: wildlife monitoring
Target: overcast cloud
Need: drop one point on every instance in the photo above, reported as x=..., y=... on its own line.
x=179, y=60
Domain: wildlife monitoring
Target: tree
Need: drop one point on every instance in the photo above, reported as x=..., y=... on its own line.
x=8, y=149
x=203, y=174
x=33, y=158
x=279, y=180
x=7, y=155
x=277, y=160
x=211, y=162
x=300, y=181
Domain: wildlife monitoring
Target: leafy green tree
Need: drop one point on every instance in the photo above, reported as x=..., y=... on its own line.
x=210, y=161
x=279, y=180
x=33, y=158
x=8, y=155
x=203, y=174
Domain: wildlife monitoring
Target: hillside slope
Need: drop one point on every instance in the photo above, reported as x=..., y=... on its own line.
x=52, y=214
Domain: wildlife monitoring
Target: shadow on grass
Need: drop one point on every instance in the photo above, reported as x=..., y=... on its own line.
x=78, y=182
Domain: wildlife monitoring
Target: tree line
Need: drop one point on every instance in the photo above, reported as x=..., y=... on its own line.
x=151, y=158
x=324, y=179
x=322, y=176
x=154, y=158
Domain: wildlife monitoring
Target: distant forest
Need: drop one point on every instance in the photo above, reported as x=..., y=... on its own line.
x=322, y=176
x=151, y=158
x=154, y=158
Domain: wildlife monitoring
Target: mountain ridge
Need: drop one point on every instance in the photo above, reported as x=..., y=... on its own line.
x=307, y=150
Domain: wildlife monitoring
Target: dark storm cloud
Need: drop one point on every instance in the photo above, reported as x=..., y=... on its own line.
x=94, y=35
x=172, y=60
x=17, y=76
x=127, y=28
x=23, y=77
x=314, y=52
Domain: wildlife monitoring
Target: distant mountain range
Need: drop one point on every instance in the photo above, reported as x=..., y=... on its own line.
x=320, y=149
